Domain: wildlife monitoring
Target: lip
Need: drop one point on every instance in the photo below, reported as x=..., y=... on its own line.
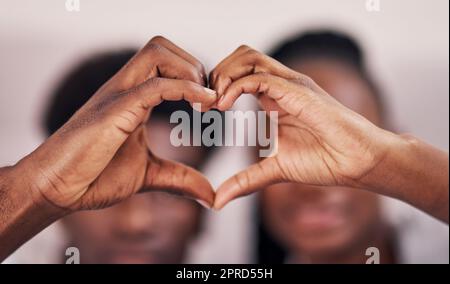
x=131, y=253
x=321, y=218
x=130, y=257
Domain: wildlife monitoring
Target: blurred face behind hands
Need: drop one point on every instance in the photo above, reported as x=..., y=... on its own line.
x=153, y=227
x=315, y=222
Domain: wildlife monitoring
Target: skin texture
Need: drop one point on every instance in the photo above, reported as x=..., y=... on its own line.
x=155, y=227
x=100, y=157
x=321, y=142
x=102, y=152
x=329, y=224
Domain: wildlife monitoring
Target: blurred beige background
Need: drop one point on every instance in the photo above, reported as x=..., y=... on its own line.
x=407, y=44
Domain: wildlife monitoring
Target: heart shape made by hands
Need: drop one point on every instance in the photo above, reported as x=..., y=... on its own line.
x=122, y=164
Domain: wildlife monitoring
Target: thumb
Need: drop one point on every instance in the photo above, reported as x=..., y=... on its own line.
x=180, y=179
x=252, y=179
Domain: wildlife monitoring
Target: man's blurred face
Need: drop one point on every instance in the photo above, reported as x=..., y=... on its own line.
x=153, y=227
x=323, y=221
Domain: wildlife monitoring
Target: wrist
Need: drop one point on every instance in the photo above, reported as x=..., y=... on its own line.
x=390, y=165
x=26, y=178
x=414, y=172
x=23, y=213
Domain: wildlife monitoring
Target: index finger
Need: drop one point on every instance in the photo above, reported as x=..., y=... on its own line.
x=158, y=58
x=182, y=53
x=247, y=61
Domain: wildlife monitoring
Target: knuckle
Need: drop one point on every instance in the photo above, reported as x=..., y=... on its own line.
x=105, y=104
x=252, y=52
x=243, y=180
x=305, y=81
x=254, y=56
x=158, y=39
x=189, y=85
x=199, y=66
x=243, y=47
x=201, y=69
x=263, y=76
x=154, y=82
x=152, y=47
x=196, y=76
x=214, y=74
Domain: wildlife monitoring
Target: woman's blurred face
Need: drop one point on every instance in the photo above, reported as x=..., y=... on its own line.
x=153, y=227
x=323, y=221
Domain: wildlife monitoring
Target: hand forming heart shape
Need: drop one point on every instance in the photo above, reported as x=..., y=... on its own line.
x=320, y=142
x=100, y=156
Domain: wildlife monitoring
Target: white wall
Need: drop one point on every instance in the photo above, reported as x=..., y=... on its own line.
x=407, y=43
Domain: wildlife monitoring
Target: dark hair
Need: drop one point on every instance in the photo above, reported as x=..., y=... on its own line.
x=328, y=44
x=77, y=87
x=313, y=45
x=320, y=44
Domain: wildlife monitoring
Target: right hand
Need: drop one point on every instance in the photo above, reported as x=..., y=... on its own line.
x=100, y=156
x=320, y=142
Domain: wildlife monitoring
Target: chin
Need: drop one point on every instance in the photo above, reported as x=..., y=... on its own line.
x=124, y=258
x=130, y=260
x=324, y=244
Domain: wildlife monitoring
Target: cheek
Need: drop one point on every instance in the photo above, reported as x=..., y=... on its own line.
x=273, y=206
x=270, y=202
x=88, y=226
x=364, y=206
x=182, y=220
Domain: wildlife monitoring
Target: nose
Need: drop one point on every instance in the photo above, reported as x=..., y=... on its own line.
x=313, y=194
x=307, y=193
x=134, y=219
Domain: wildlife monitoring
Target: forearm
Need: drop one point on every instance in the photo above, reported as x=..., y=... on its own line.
x=23, y=213
x=414, y=172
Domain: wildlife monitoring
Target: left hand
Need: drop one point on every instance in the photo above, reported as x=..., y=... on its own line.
x=100, y=156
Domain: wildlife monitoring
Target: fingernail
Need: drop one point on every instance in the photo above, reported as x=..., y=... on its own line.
x=211, y=92
x=203, y=203
x=216, y=208
x=197, y=107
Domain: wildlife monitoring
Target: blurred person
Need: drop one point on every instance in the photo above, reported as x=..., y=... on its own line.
x=100, y=156
x=322, y=142
x=311, y=224
x=155, y=227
